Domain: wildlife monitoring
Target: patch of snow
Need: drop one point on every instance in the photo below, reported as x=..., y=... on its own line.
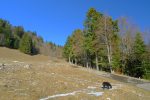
x=34, y=83
x=139, y=95
x=108, y=98
x=91, y=87
x=87, y=91
x=27, y=66
x=96, y=93
x=15, y=61
x=116, y=86
x=60, y=95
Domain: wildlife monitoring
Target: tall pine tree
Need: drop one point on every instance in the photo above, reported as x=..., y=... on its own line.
x=135, y=65
x=26, y=44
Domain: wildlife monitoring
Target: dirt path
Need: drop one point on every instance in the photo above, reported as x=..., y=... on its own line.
x=144, y=84
x=134, y=81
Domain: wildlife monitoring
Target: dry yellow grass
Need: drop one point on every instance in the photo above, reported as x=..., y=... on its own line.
x=48, y=77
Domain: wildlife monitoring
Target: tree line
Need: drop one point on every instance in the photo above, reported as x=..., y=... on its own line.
x=28, y=42
x=109, y=45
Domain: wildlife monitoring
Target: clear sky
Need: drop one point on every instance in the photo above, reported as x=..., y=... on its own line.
x=54, y=20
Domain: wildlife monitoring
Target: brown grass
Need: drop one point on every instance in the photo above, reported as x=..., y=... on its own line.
x=50, y=77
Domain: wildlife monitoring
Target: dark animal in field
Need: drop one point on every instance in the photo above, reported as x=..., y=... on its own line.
x=106, y=85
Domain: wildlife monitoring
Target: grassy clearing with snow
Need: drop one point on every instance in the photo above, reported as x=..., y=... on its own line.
x=55, y=79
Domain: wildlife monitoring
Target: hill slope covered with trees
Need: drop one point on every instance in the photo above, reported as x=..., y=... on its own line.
x=110, y=45
x=28, y=42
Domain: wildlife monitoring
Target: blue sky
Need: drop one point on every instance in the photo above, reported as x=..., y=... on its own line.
x=54, y=20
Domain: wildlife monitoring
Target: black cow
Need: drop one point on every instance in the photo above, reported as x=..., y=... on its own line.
x=106, y=85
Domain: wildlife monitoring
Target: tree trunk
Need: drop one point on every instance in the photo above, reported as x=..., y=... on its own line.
x=111, y=69
x=109, y=58
x=75, y=61
x=72, y=61
x=101, y=60
x=87, y=64
x=96, y=59
x=69, y=60
x=108, y=47
x=90, y=64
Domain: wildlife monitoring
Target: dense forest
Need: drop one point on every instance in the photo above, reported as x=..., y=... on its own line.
x=28, y=42
x=109, y=45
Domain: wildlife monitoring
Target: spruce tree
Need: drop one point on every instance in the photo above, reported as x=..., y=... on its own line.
x=77, y=46
x=68, y=50
x=91, y=22
x=26, y=44
x=139, y=46
x=136, y=61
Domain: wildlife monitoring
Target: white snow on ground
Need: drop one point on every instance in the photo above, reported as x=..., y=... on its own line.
x=91, y=87
x=17, y=61
x=59, y=95
x=116, y=86
x=73, y=93
x=108, y=98
x=96, y=93
x=89, y=91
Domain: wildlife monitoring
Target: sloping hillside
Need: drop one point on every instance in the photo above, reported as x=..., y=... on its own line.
x=24, y=77
x=13, y=54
